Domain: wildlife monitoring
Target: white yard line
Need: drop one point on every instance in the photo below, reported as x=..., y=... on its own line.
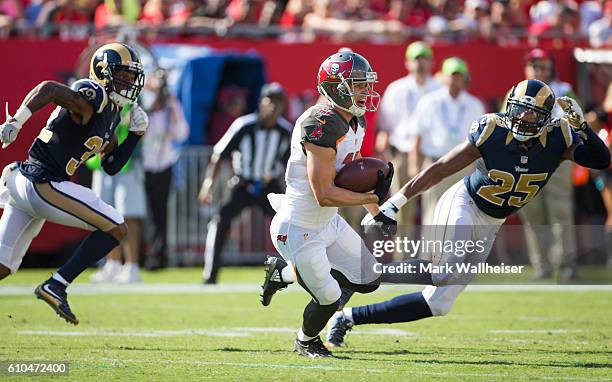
x=150, y=289
x=216, y=332
x=535, y=331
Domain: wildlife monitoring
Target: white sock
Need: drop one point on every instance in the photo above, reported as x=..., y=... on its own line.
x=303, y=337
x=287, y=274
x=59, y=278
x=348, y=314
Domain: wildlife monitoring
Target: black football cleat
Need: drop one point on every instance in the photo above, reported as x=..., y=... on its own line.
x=339, y=326
x=273, y=281
x=57, y=299
x=313, y=348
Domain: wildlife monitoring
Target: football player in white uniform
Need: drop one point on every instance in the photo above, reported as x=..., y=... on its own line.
x=325, y=255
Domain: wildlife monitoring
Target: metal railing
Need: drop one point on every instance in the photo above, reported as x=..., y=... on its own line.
x=248, y=241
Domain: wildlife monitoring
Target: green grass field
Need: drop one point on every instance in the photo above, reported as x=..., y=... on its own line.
x=172, y=329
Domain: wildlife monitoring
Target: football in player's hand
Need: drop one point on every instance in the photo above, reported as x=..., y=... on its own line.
x=361, y=175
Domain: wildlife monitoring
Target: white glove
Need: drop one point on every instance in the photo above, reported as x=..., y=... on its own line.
x=139, y=120
x=9, y=130
x=573, y=113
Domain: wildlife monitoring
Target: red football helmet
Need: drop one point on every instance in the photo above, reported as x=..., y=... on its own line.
x=347, y=80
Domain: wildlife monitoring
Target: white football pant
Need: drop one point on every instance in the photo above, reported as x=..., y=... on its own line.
x=457, y=218
x=28, y=205
x=315, y=252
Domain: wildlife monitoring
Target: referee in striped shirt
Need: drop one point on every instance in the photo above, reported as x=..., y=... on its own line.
x=259, y=146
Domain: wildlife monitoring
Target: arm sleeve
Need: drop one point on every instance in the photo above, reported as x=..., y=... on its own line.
x=116, y=159
x=592, y=152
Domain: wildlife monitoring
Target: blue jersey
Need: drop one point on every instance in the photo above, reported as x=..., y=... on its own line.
x=63, y=145
x=507, y=175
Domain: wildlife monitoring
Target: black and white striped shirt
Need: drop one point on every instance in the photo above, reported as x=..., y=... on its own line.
x=257, y=153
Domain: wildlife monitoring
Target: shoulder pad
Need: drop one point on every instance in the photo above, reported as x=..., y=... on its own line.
x=482, y=129
x=323, y=127
x=93, y=92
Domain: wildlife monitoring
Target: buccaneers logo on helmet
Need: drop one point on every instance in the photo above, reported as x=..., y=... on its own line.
x=347, y=81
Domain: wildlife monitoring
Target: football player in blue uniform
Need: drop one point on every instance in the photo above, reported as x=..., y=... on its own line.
x=516, y=153
x=39, y=188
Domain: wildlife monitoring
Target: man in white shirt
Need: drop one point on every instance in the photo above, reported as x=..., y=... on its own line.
x=396, y=131
x=442, y=119
x=600, y=31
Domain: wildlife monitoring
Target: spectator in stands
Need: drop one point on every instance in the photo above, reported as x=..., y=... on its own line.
x=167, y=130
x=70, y=19
x=562, y=22
x=10, y=12
x=590, y=11
x=412, y=13
x=271, y=12
x=214, y=8
x=442, y=119
x=553, y=206
x=33, y=11
x=397, y=133
x=359, y=10
x=544, y=10
x=259, y=143
x=157, y=12
x=474, y=21
x=211, y=14
x=244, y=11
x=125, y=192
x=504, y=24
x=518, y=12
x=295, y=12
x=600, y=32
x=352, y=23
x=114, y=13
x=325, y=18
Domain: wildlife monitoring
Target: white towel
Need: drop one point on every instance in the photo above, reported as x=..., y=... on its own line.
x=276, y=200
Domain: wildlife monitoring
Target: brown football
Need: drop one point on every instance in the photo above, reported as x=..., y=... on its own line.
x=361, y=175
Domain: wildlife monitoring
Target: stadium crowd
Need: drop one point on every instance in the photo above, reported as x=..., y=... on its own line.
x=502, y=22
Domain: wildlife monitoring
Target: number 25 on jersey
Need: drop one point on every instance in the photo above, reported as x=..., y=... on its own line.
x=524, y=185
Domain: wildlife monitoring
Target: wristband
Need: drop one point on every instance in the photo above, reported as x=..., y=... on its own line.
x=23, y=114
x=397, y=200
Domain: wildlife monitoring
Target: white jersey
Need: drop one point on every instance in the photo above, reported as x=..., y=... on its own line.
x=323, y=126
